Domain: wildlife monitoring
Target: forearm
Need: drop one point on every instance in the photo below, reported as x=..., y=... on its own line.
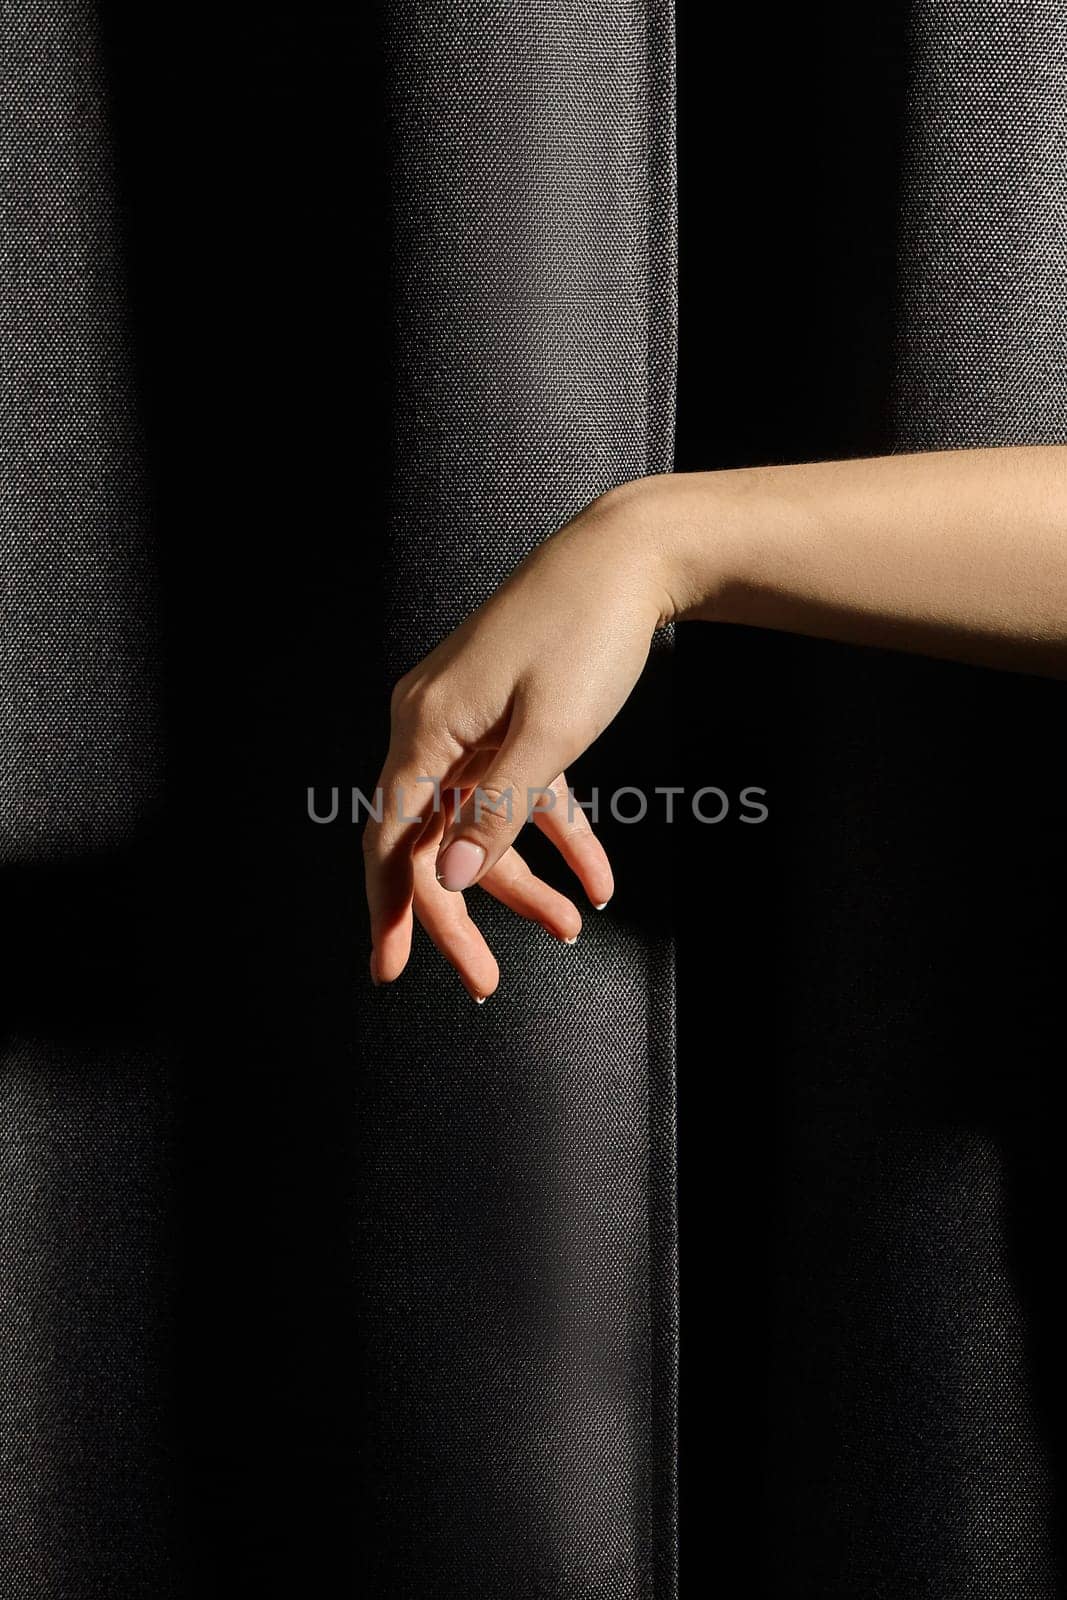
x=957, y=553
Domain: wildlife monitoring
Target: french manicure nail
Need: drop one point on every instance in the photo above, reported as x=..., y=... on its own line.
x=601, y=906
x=460, y=864
x=571, y=941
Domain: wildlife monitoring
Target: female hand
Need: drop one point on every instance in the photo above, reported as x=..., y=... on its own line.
x=497, y=712
x=957, y=553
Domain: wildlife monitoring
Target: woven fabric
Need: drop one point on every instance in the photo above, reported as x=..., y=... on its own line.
x=516, y=1192
x=79, y=644
x=916, y=1419
x=86, y=1481
x=982, y=360
x=982, y=315
x=430, y=1294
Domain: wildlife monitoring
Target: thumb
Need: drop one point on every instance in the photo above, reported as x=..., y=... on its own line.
x=494, y=812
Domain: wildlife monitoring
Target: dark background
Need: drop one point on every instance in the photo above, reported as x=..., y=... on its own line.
x=789, y=126
x=250, y=141
x=871, y=990
x=878, y=964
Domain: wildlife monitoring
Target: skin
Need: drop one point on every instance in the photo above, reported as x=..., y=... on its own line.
x=960, y=554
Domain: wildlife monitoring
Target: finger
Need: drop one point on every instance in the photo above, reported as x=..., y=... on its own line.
x=444, y=917
x=389, y=841
x=567, y=826
x=515, y=886
x=490, y=818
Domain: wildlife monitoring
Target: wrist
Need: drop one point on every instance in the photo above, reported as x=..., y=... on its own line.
x=695, y=536
x=626, y=533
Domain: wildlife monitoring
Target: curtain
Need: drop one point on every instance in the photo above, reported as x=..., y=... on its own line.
x=517, y=1172
x=878, y=1072
x=313, y=324
x=86, y=1057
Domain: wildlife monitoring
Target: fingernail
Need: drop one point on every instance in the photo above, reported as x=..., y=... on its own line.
x=571, y=941
x=601, y=906
x=460, y=864
x=479, y=999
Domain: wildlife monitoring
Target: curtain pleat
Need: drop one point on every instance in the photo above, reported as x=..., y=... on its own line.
x=515, y=1198
x=915, y=1416
x=345, y=1290
x=86, y=1088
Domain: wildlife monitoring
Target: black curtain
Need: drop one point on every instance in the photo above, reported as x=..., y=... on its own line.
x=872, y=260
x=309, y=1290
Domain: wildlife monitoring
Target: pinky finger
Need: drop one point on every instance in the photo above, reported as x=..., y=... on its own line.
x=512, y=883
x=567, y=826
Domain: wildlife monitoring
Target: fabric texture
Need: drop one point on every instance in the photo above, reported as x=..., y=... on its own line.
x=378, y=1292
x=516, y=1191
x=86, y=1187
x=80, y=738
x=946, y=1299
x=982, y=317
x=887, y=950
x=86, y=1096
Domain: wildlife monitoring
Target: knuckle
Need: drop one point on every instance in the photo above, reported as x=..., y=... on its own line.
x=413, y=700
x=495, y=807
x=403, y=685
x=404, y=697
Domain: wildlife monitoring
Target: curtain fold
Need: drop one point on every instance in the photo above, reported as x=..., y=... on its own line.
x=305, y=1288
x=87, y=1109
x=889, y=948
x=516, y=1193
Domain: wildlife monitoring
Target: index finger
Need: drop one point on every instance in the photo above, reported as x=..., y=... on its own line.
x=406, y=801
